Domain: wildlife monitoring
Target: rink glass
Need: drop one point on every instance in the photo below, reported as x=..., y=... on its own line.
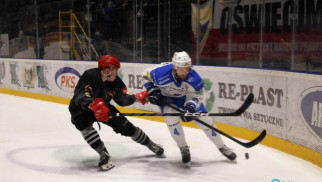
x=273, y=34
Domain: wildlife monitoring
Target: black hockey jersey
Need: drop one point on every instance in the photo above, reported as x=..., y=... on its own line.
x=91, y=86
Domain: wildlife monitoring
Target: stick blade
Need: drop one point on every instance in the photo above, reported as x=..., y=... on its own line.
x=256, y=140
x=249, y=100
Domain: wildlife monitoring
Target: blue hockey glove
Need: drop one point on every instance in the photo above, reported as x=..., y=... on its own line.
x=155, y=96
x=188, y=108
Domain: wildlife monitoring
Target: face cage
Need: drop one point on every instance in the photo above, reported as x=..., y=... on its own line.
x=112, y=68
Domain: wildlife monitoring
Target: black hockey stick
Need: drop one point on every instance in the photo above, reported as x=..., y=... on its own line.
x=250, y=144
x=249, y=100
x=238, y=112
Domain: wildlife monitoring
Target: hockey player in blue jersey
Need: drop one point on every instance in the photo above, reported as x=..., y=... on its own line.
x=178, y=84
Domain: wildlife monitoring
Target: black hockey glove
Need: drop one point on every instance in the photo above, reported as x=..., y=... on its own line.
x=189, y=108
x=155, y=96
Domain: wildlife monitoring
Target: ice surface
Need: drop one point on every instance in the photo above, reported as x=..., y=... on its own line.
x=39, y=143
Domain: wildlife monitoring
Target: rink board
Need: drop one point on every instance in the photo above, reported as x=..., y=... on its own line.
x=287, y=104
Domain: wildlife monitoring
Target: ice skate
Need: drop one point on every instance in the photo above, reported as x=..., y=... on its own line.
x=185, y=155
x=157, y=149
x=227, y=152
x=105, y=164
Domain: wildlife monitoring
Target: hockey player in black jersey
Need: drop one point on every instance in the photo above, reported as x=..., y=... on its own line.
x=91, y=102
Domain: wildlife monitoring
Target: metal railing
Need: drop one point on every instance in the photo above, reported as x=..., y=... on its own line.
x=75, y=43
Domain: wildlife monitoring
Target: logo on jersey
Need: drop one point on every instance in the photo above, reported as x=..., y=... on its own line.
x=88, y=91
x=66, y=78
x=310, y=109
x=124, y=91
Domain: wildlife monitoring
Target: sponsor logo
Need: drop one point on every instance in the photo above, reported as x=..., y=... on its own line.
x=310, y=109
x=196, y=114
x=277, y=180
x=66, y=78
x=271, y=97
x=2, y=72
x=42, y=80
x=28, y=76
x=191, y=79
x=14, y=74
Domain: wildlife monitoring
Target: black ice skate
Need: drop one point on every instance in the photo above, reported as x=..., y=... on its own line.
x=185, y=155
x=227, y=152
x=105, y=164
x=157, y=149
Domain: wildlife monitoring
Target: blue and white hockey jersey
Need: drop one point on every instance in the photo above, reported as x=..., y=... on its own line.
x=174, y=92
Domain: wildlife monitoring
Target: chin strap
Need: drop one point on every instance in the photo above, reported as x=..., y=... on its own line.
x=108, y=75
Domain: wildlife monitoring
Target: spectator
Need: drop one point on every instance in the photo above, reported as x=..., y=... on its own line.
x=22, y=38
x=40, y=42
x=99, y=46
x=144, y=14
x=107, y=12
x=121, y=4
x=122, y=14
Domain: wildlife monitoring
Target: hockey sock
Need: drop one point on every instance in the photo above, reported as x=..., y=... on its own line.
x=140, y=137
x=214, y=137
x=93, y=139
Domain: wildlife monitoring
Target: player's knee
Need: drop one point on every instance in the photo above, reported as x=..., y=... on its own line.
x=127, y=129
x=171, y=120
x=82, y=121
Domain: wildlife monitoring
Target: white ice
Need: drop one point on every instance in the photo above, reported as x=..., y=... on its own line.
x=39, y=143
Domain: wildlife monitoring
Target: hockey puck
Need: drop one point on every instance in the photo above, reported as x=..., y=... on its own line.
x=246, y=155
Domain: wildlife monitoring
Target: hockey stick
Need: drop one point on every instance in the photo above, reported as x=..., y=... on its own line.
x=238, y=112
x=250, y=144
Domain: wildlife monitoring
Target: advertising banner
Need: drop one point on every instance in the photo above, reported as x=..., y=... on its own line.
x=282, y=27
x=287, y=104
x=230, y=90
x=305, y=112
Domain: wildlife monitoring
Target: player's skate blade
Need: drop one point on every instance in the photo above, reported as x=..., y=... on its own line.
x=188, y=164
x=105, y=164
x=227, y=152
x=185, y=152
x=157, y=149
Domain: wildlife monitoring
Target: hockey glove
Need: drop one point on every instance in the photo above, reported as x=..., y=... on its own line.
x=142, y=96
x=100, y=110
x=155, y=96
x=189, y=108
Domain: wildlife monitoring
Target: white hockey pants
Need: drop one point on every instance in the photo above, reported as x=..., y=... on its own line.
x=177, y=133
